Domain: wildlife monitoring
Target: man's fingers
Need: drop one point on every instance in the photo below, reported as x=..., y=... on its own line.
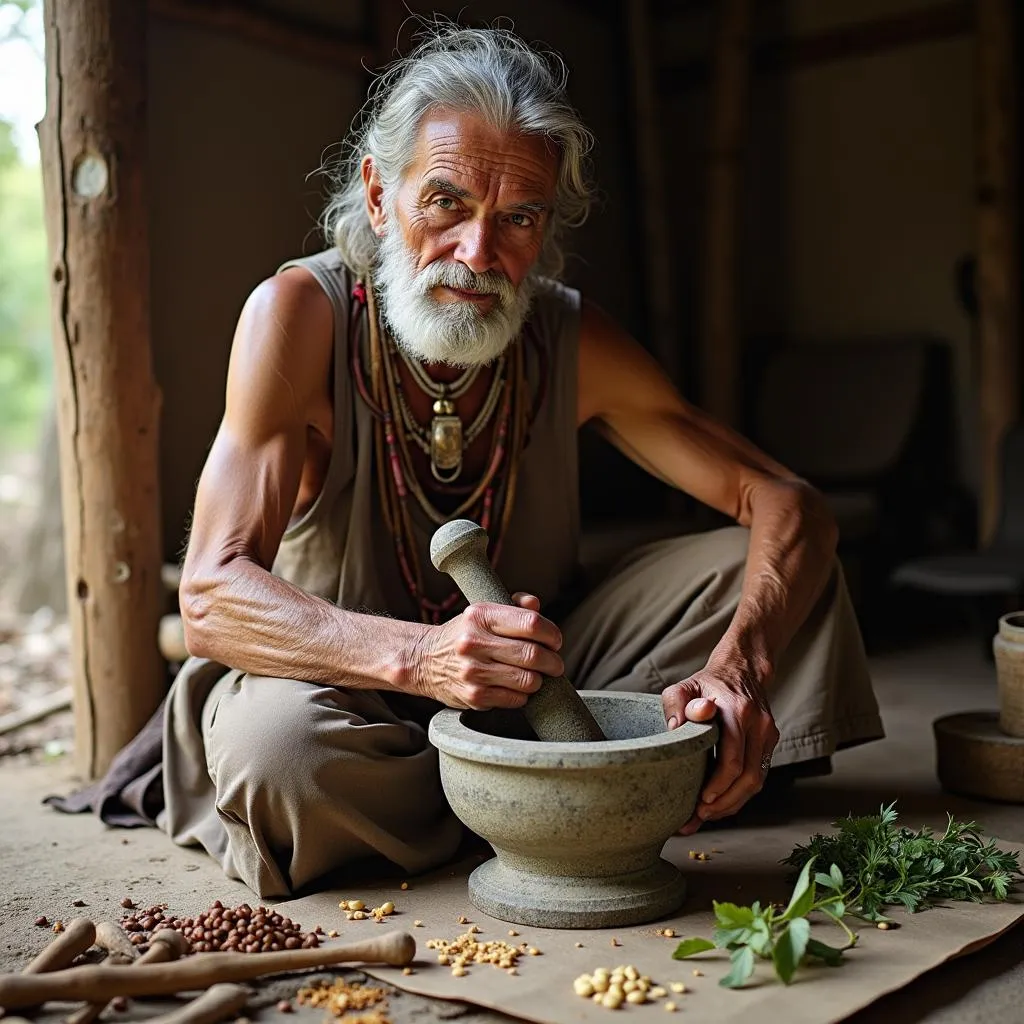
x=526, y=601
x=759, y=746
x=731, y=755
x=515, y=623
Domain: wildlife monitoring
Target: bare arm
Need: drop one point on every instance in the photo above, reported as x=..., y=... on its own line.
x=236, y=612
x=792, y=536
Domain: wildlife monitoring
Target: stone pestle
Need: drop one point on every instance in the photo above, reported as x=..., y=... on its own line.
x=556, y=711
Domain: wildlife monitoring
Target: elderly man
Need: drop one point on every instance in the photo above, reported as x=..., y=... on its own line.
x=428, y=366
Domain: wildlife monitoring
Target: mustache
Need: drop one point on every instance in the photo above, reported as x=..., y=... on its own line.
x=459, y=276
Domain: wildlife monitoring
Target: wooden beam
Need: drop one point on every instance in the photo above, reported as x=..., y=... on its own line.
x=861, y=39
x=648, y=126
x=997, y=141
x=720, y=349
x=293, y=37
x=94, y=154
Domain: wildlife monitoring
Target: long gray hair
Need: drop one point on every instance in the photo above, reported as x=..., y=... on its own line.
x=491, y=72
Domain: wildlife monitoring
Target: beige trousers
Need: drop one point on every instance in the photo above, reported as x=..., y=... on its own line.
x=283, y=781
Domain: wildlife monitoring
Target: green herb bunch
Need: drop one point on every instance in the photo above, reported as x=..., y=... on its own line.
x=784, y=937
x=886, y=865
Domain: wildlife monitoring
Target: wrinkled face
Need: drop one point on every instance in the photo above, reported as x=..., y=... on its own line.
x=460, y=236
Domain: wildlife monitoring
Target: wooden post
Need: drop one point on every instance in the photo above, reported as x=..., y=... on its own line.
x=657, y=262
x=998, y=255
x=93, y=145
x=720, y=336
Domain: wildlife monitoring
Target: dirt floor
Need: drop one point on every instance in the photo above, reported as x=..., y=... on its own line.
x=48, y=861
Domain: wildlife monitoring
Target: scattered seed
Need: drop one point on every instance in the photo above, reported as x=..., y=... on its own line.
x=677, y=986
x=332, y=934
x=41, y=922
x=457, y=971
x=512, y=931
x=671, y=1007
x=473, y=929
x=387, y=908
x=615, y=942
x=534, y=951
x=698, y=974
x=407, y=970
x=885, y=925
x=579, y=945
x=657, y=992
x=462, y=919
x=284, y=1006
x=669, y=933
x=58, y=926
x=127, y=903
x=404, y=886
x=511, y=970
x=78, y=903
x=119, y=1004
x=417, y=924
x=359, y=915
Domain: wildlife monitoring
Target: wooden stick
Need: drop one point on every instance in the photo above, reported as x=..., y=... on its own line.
x=219, y=1002
x=49, y=705
x=166, y=945
x=196, y=972
x=77, y=937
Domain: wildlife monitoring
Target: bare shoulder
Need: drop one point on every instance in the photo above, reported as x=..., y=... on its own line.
x=615, y=371
x=281, y=352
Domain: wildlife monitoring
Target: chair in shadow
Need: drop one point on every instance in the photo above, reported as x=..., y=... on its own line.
x=988, y=581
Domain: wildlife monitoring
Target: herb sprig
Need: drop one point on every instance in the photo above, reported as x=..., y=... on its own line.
x=783, y=937
x=890, y=865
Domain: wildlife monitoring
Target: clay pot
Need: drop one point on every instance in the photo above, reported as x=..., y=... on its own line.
x=1008, y=646
x=577, y=828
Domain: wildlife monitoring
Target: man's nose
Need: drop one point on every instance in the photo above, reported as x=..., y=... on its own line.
x=476, y=247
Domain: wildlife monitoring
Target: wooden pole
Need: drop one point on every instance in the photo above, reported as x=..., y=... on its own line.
x=720, y=337
x=93, y=145
x=654, y=206
x=998, y=255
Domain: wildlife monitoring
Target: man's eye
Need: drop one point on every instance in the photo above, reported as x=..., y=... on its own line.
x=445, y=202
x=522, y=220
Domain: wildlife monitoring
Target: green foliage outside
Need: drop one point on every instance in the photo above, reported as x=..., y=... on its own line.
x=25, y=355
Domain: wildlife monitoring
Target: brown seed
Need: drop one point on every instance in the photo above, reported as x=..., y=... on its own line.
x=217, y=905
x=284, y=1006
x=78, y=903
x=291, y=942
x=127, y=903
x=119, y=1004
x=147, y=924
x=137, y=938
x=615, y=942
x=41, y=922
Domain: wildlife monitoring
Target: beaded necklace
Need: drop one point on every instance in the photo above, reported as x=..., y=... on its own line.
x=491, y=500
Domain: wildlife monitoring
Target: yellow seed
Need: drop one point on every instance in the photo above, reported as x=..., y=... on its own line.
x=671, y=1007
x=657, y=992
x=417, y=924
x=356, y=905
x=359, y=915
x=462, y=919
x=343, y=905
x=677, y=986
x=332, y=934
x=458, y=971
x=635, y=997
x=534, y=951
x=884, y=925
x=583, y=986
x=629, y=986
x=442, y=958
x=612, y=999
x=615, y=942
x=631, y=972
x=473, y=929
x=600, y=982
x=597, y=997
x=511, y=970
x=404, y=886
x=512, y=931
x=579, y=945
x=407, y=970
x=698, y=974
x=669, y=933
x=387, y=908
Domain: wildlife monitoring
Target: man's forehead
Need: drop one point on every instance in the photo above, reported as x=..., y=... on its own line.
x=464, y=149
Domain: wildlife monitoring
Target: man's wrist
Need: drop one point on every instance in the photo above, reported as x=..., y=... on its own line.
x=742, y=658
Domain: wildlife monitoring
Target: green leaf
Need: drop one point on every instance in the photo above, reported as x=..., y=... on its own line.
x=836, y=876
x=790, y=944
x=832, y=956
x=690, y=947
x=836, y=907
x=825, y=881
x=803, y=895
x=761, y=938
x=731, y=916
x=742, y=968
x=729, y=938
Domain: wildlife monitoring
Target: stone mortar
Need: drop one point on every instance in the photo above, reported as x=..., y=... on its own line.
x=577, y=828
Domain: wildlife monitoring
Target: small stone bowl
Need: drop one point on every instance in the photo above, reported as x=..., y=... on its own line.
x=577, y=828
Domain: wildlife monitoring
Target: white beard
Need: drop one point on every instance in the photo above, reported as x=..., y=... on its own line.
x=456, y=333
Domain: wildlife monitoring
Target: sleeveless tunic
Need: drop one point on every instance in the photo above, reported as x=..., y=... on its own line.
x=340, y=549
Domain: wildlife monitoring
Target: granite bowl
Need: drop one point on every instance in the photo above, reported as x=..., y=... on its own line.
x=577, y=828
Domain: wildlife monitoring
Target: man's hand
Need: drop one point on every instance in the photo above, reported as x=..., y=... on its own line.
x=748, y=736
x=490, y=656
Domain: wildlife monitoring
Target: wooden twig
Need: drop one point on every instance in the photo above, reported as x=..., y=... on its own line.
x=41, y=709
